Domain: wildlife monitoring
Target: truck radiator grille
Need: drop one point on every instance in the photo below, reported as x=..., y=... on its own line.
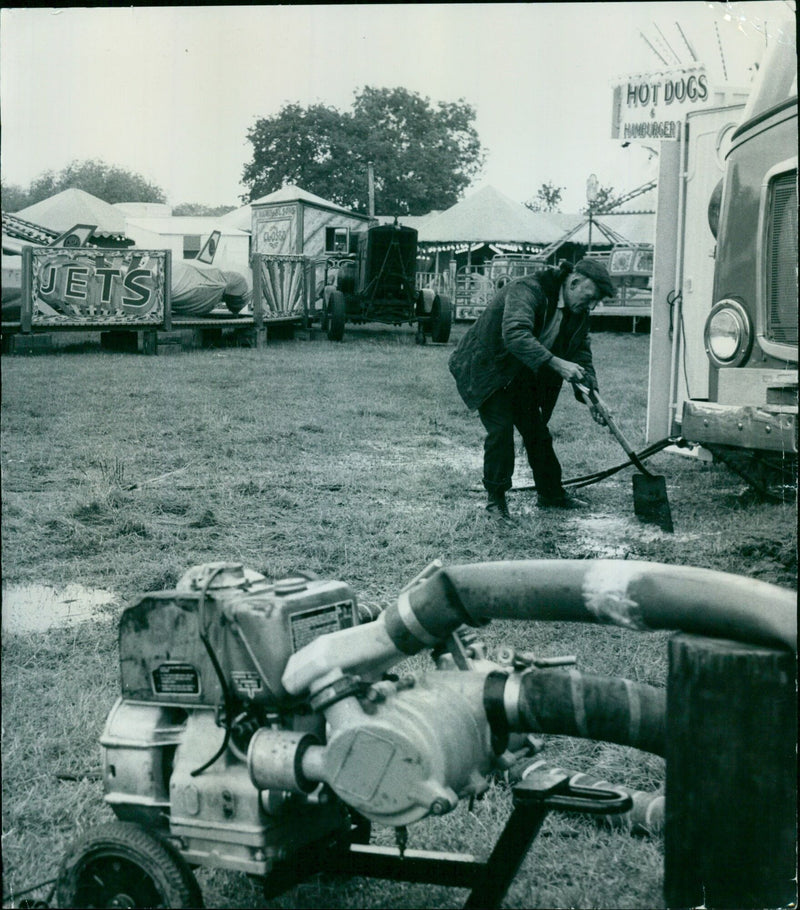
x=782, y=261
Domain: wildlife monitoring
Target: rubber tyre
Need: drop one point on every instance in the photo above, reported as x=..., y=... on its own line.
x=323, y=316
x=441, y=319
x=121, y=865
x=336, y=316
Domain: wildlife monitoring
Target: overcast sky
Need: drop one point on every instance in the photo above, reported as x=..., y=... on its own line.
x=170, y=92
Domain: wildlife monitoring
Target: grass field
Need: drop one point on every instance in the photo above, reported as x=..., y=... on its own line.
x=356, y=461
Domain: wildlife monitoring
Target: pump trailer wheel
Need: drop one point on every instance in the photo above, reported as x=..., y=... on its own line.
x=121, y=865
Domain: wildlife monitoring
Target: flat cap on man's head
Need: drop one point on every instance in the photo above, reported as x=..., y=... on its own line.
x=591, y=268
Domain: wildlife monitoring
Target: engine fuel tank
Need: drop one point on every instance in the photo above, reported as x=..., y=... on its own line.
x=169, y=641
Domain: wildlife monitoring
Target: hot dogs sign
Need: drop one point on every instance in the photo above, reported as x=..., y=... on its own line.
x=87, y=286
x=654, y=106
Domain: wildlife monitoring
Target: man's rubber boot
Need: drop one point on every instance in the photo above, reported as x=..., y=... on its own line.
x=563, y=500
x=497, y=507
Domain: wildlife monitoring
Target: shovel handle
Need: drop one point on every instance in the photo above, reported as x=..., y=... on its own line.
x=586, y=393
x=591, y=397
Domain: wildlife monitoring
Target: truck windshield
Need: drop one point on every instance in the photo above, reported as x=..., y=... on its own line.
x=777, y=76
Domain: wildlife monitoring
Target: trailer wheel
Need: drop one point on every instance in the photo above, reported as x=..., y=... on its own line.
x=441, y=319
x=121, y=865
x=336, y=316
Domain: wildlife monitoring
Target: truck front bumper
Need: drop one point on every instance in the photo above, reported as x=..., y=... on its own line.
x=748, y=426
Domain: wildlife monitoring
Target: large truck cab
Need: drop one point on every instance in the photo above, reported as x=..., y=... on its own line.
x=749, y=419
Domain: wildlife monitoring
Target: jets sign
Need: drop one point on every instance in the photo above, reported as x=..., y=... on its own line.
x=93, y=286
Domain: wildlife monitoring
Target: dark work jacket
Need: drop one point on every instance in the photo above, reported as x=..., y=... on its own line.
x=504, y=339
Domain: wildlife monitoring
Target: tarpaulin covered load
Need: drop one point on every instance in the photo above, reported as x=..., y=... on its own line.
x=198, y=289
x=11, y=287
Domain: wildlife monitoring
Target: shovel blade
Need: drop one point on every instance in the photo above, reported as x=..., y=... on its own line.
x=650, y=501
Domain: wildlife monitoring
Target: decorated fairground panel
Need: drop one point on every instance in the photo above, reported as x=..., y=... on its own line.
x=277, y=229
x=280, y=285
x=83, y=287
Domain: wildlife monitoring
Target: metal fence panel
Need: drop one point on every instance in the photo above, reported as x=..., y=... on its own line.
x=476, y=285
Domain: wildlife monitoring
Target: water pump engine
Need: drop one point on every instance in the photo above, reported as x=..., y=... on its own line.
x=207, y=746
x=201, y=672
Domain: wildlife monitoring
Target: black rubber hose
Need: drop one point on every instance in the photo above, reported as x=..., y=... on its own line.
x=228, y=701
x=637, y=595
x=596, y=476
x=226, y=692
x=570, y=703
x=641, y=596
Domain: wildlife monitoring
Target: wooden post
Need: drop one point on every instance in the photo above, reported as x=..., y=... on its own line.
x=26, y=300
x=371, y=189
x=309, y=280
x=731, y=788
x=257, y=301
x=167, y=323
x=149, y=341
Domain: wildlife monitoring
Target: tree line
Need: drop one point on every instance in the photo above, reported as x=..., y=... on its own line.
x=107, y=182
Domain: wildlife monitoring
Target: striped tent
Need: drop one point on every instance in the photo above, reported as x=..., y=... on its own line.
x=488, y=216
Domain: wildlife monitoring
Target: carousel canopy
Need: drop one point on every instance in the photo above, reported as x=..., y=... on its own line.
x=488, y=216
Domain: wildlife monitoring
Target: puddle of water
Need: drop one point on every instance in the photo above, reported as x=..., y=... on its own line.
x=610, y=537
x=37, y=608
x=600, y=536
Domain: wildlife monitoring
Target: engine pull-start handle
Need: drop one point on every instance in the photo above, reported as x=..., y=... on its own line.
x=544, y=789
x=554, y=790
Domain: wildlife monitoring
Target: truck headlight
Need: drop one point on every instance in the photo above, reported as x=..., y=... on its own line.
x=728, y=334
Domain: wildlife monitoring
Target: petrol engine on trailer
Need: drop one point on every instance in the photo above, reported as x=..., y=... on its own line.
x=201, y=672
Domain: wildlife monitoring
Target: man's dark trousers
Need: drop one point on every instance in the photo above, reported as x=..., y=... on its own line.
x=526, y=405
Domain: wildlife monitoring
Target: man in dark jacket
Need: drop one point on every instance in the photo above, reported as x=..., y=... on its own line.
x=510, y=365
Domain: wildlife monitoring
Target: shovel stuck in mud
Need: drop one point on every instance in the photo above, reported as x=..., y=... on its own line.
x=650, y=502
